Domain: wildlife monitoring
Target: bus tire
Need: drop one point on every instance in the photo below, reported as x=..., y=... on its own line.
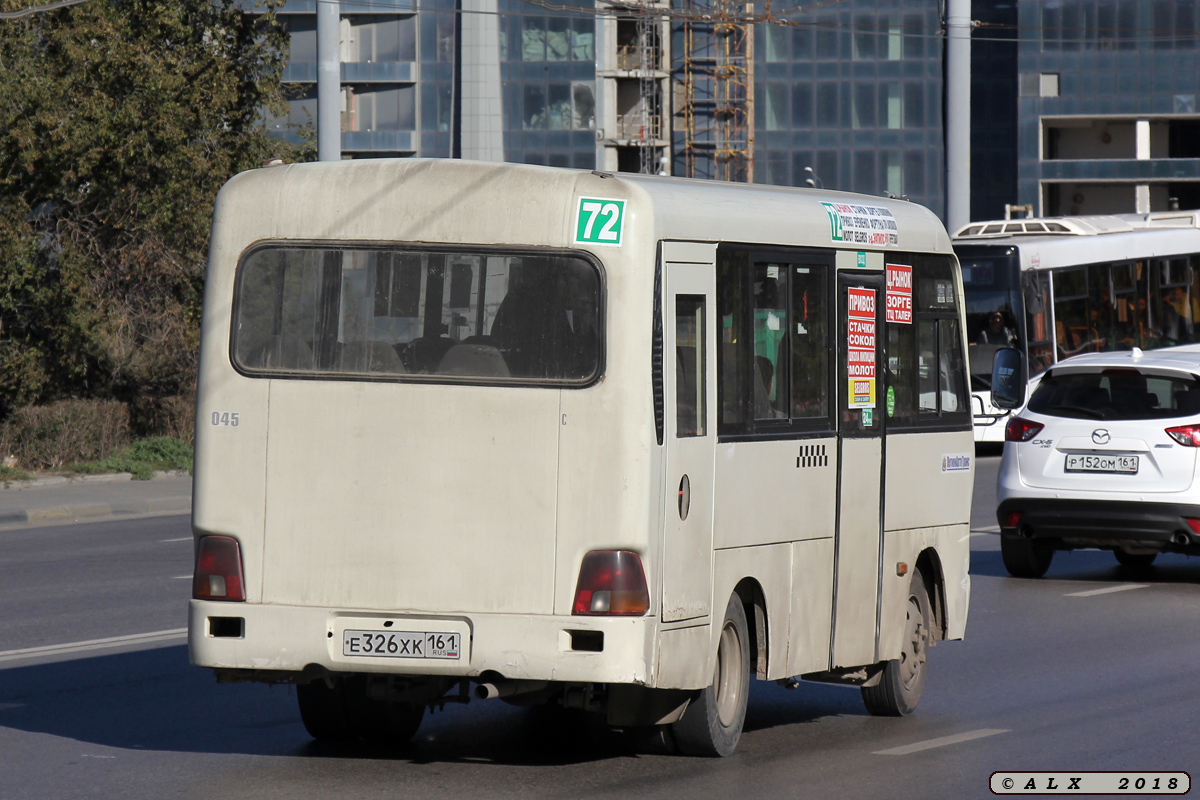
x=712, y=723
x=899, y=688
x=378, y=720
x=322, y=710
x=1025, y=558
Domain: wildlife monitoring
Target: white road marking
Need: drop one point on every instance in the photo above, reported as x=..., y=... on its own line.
x=986, y=529
x=180, y=539
x=942, y=742
x=94, y=644
x=1108, y=590
x=181, y=577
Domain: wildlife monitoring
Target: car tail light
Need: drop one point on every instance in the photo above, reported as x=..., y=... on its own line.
x=1021, y=430
x=1012, y=520
x=218, y=570
x=611, y=582
x=1194, y=524
x=1186, y=435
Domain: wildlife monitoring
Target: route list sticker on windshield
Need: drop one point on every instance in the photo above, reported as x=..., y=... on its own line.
x=862, y=224
x=860, y=347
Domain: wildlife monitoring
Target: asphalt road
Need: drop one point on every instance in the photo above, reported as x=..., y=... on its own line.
x=1047, y=679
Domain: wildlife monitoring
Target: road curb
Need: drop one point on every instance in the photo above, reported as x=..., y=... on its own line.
x=93, y=512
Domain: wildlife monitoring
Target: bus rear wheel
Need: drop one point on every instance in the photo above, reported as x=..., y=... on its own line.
x=903, y=680
x=345, y=710
x=712, y=723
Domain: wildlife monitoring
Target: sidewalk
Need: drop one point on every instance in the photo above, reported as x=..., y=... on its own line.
x=91, y=498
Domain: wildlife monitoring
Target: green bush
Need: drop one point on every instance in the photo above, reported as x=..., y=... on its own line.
x=143, y=457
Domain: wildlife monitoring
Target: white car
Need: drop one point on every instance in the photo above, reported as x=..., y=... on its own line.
x=1103, y=455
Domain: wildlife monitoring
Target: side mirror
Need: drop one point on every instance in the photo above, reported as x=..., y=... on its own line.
x=1008, y=378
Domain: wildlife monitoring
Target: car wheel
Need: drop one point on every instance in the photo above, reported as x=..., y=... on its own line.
x=903, y=680
x=1025, y=558
x=712, y=723
x=1132, y=560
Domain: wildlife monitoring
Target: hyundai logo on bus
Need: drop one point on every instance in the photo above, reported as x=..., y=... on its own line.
x=898, y=304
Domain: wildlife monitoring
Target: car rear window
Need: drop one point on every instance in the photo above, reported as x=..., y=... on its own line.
x=1116, y=394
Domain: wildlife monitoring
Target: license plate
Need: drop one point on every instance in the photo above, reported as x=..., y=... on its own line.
x=1124, y=465
x=401, y=644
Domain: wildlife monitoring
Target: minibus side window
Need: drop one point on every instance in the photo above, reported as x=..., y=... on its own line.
x=404, y=314
x=774, y=342
x=690, y=399
x=926, y=375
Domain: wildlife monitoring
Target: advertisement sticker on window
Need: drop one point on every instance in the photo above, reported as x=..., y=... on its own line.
x=899, y=307
x=860, y=347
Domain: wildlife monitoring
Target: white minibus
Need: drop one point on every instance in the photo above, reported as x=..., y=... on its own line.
x=610, y=441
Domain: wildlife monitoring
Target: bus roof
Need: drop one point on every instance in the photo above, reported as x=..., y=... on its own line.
x=443, y=200
x=1051, y=242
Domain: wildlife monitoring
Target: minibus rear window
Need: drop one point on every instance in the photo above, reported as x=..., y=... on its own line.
x=418, y=315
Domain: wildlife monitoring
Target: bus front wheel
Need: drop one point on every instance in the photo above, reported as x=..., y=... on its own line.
x=899, y=688
x=712, y=723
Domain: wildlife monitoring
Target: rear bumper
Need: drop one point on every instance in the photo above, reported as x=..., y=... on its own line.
x=279, y=638
x=1102, y=522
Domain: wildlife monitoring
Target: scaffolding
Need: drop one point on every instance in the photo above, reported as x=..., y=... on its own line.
x=718, y=90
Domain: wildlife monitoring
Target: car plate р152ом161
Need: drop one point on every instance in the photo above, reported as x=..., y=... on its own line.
x=1127, y=465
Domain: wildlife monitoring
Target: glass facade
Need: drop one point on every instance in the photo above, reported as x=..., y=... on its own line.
x=548, y=81
x=855, y=93
x=1089, y=71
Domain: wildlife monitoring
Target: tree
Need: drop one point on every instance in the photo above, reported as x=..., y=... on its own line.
x=119, y=121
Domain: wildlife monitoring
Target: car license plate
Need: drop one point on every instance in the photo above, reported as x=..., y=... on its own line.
x=401, y=644
x=1124, y=465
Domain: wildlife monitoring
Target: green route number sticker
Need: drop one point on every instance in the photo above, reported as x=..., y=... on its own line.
x=891, y=401
x=599, y=220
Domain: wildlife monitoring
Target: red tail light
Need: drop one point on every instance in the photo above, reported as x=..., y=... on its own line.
x=611, y=582
x=1012, y=519
x=1021, y=430
x=1186, y=435
x=1194, y=524
x=218, y=570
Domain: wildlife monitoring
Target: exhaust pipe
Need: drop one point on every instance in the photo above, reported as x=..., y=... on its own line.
x=1182, y=539
x=507, y=688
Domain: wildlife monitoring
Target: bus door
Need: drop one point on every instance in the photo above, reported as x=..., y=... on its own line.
x=689, y=384
x=860, y=427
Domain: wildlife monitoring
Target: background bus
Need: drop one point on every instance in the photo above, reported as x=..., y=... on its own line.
x=1058, y=287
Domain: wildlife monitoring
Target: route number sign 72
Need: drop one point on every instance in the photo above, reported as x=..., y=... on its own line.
x=599, y=220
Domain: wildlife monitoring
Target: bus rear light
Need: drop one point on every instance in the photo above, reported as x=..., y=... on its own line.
x=218, y=573
x=1021, y=430
x=1186, y=435
x=611, y=582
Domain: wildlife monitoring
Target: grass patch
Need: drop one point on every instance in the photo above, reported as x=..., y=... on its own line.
x=9, y=474
x=143, y=458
